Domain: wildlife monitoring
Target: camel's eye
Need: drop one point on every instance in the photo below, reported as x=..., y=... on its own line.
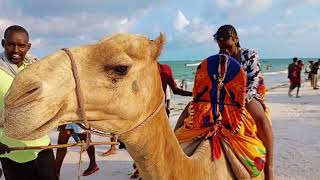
x=121, y=69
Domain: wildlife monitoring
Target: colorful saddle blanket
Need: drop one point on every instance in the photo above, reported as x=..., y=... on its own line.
x=219, y=112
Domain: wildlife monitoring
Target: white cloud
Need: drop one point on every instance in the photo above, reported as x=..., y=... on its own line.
x=296, y=30
x=37, y=43
x=74, y=18
x=248, y=31
x=73, y=26
x=60, y=23
x=118, y=25
x=82, y=37
x=123, y=21
x=169, y=38
x=239, y=7
x=289, y=12
x=69, y=7
x=4, y=23
x=198, y=32
x=312, y=2
x=293, y=4
x=181, y=21
x=223, y=3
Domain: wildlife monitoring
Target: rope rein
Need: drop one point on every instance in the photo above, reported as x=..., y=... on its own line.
x=147, y=120
x=80, y=100
x=79, y=93
x=95, y=132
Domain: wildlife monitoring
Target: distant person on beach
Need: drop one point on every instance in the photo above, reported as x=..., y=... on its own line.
x=168, y=79
x=183, y=84
x=30, y=164
x=295, y=78
x=268, y=67
x=168, y=97
x=291, y=66
x=74, y=130
x=255, y=109
x=290, y=70
x=314, y=74
x=308, y=71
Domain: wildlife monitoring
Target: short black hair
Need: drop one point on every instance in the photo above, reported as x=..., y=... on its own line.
x=295, y=59
x=15, y=28
x=226, y=31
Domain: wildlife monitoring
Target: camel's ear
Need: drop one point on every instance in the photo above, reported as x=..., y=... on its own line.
x=157, y=47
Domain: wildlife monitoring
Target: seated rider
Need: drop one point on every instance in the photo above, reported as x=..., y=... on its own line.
x=250, y=137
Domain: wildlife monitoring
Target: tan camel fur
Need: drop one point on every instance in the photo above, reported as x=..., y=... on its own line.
x=121, y=85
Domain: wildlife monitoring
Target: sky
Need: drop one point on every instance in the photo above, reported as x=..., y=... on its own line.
x=274, y=28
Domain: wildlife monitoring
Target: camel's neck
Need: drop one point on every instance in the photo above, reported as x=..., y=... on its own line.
x=158, y=155
x=155, y=148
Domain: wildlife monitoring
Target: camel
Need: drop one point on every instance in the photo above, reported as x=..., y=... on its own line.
x=122, y=92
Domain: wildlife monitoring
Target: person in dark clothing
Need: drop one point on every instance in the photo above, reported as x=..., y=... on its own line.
x=38, y=169
x=314, y=74
x=168, y=79
x=295, y=78
x=290, y=70
x=308, y=71
x=291, y=66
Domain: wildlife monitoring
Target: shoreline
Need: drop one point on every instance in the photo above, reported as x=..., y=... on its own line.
x=276, y=86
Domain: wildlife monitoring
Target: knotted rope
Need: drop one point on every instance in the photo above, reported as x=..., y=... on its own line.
x=147, y=120
x=80, y=98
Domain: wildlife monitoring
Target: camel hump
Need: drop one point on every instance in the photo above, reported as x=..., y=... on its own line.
x=199, y=147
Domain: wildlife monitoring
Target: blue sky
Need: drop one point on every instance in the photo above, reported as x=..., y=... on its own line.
x=276, y=29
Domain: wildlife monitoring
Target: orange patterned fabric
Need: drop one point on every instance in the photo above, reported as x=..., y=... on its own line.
x=219, y=112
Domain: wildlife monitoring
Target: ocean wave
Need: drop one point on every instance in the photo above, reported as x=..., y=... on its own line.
x=276, y=72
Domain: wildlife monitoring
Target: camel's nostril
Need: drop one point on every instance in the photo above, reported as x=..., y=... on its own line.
x=32, y=90
x=26, y=95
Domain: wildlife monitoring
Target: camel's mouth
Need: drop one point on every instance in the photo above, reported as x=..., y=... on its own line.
x=35, y=133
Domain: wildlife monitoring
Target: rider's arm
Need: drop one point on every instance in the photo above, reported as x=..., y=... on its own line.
x=175, y=88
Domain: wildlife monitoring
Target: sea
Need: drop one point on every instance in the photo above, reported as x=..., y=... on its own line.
x=275, y=71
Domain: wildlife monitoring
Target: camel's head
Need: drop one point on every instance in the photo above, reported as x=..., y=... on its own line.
x=119, y=79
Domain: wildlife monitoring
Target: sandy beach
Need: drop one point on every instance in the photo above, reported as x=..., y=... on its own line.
x=296, y=129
